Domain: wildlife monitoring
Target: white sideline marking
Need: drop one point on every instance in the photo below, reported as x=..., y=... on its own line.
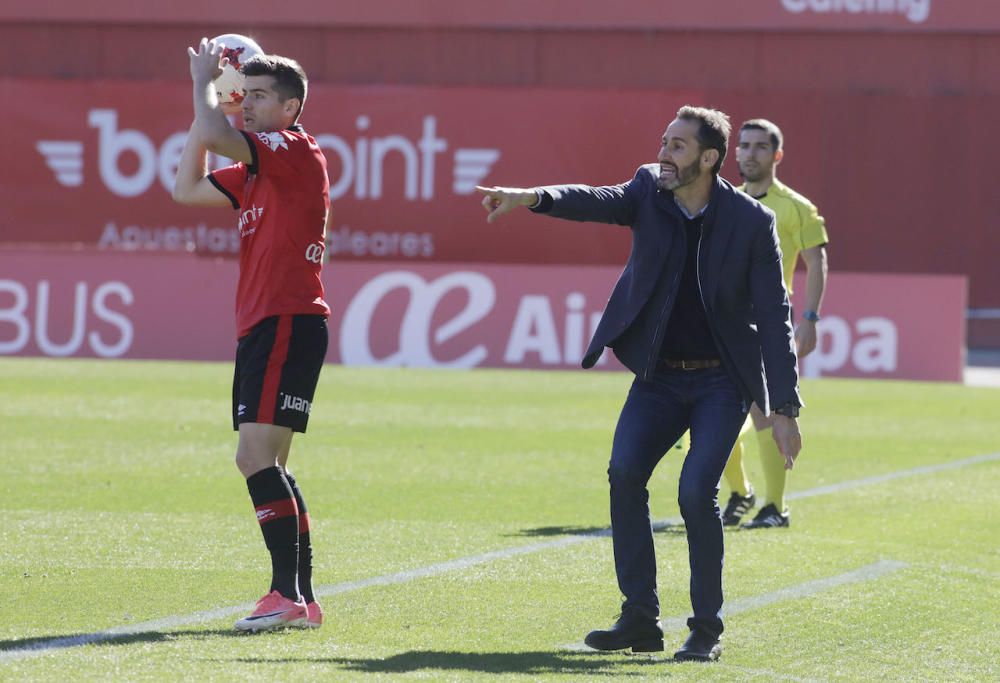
x=878, y=479
x=765, y=674
x=167, y=623
x=867, y=573
x=802, y=590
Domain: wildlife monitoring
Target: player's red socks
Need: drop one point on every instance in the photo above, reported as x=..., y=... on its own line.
x=305, y=546
x=278, y=515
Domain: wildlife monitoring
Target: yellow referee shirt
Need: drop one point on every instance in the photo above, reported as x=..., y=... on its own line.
x=799, y=225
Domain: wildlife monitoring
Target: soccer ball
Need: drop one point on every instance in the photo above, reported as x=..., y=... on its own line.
x=236, y=51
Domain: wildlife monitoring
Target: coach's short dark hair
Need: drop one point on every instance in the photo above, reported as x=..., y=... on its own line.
x=289, y=77
x=713, y=130
x=772, y=130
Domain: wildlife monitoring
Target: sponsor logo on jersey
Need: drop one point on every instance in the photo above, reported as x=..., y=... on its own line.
x=314, y=252
x=251, y=215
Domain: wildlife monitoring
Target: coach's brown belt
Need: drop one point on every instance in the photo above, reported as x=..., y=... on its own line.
x=691, y=364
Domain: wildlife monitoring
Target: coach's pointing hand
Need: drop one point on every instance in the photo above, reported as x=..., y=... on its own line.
x=500, y=200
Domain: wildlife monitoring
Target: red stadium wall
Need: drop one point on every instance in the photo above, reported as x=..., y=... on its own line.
x=887, y=113
x=866, y=15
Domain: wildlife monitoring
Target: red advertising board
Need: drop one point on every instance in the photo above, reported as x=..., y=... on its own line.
x=93, y=304
x=96, y=165
x=889, y=326
x=952, y=15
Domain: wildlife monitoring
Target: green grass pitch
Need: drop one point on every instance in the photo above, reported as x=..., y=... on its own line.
x=121, y=508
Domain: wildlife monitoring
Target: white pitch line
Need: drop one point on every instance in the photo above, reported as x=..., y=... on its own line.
x=802, y=590
x=167, y=623
x=765, y=674
x=867, y=573
x=878, y=479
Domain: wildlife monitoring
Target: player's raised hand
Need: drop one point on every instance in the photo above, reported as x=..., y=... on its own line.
x=499, y=200
x=206, y=61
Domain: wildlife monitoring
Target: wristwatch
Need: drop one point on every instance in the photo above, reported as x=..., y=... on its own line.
x=788, y=410
x=811, y=316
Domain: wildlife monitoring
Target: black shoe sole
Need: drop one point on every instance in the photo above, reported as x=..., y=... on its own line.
x=652, y=645
x=689, y=657
x=648, y=645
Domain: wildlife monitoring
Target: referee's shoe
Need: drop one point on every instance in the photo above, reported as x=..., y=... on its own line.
x=737, y=507
x=769, y=518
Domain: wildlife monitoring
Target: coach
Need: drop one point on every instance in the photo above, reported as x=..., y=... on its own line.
x=701, y=316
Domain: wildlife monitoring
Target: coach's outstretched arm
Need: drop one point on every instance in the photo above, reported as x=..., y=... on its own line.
x=612, y=204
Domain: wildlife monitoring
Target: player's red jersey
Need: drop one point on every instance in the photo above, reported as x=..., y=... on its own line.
x=283, y=197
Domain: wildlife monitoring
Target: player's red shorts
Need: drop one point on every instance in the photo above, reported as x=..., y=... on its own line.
x=277, y=368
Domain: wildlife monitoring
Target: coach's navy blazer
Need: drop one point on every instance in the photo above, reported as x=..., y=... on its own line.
x=739, y=274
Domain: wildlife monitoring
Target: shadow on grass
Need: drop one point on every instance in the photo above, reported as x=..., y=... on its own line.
x=595, y=531
x=62, y=642
x=669, y=528
x=532, y=663
x=564, y=531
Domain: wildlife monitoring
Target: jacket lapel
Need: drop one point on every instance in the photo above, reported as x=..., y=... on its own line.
x=717, y=235
x=664, y=242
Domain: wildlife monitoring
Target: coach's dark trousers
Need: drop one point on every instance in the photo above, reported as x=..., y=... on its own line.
x=655, y=416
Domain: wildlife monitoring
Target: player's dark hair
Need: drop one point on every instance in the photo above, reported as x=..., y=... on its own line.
x=289, y=77
x=777, y=139
x=713, y=130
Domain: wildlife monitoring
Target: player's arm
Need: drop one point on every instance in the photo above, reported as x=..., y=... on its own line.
x=192, y=185
x=816, y=269
x=214, y=129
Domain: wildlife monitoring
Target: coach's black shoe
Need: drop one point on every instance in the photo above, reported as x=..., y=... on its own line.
x=768, y=518
x=634, y=629
x=737, y=507
x=699, y=647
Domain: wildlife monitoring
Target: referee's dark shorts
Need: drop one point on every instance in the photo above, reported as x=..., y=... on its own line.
x=277, y=368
